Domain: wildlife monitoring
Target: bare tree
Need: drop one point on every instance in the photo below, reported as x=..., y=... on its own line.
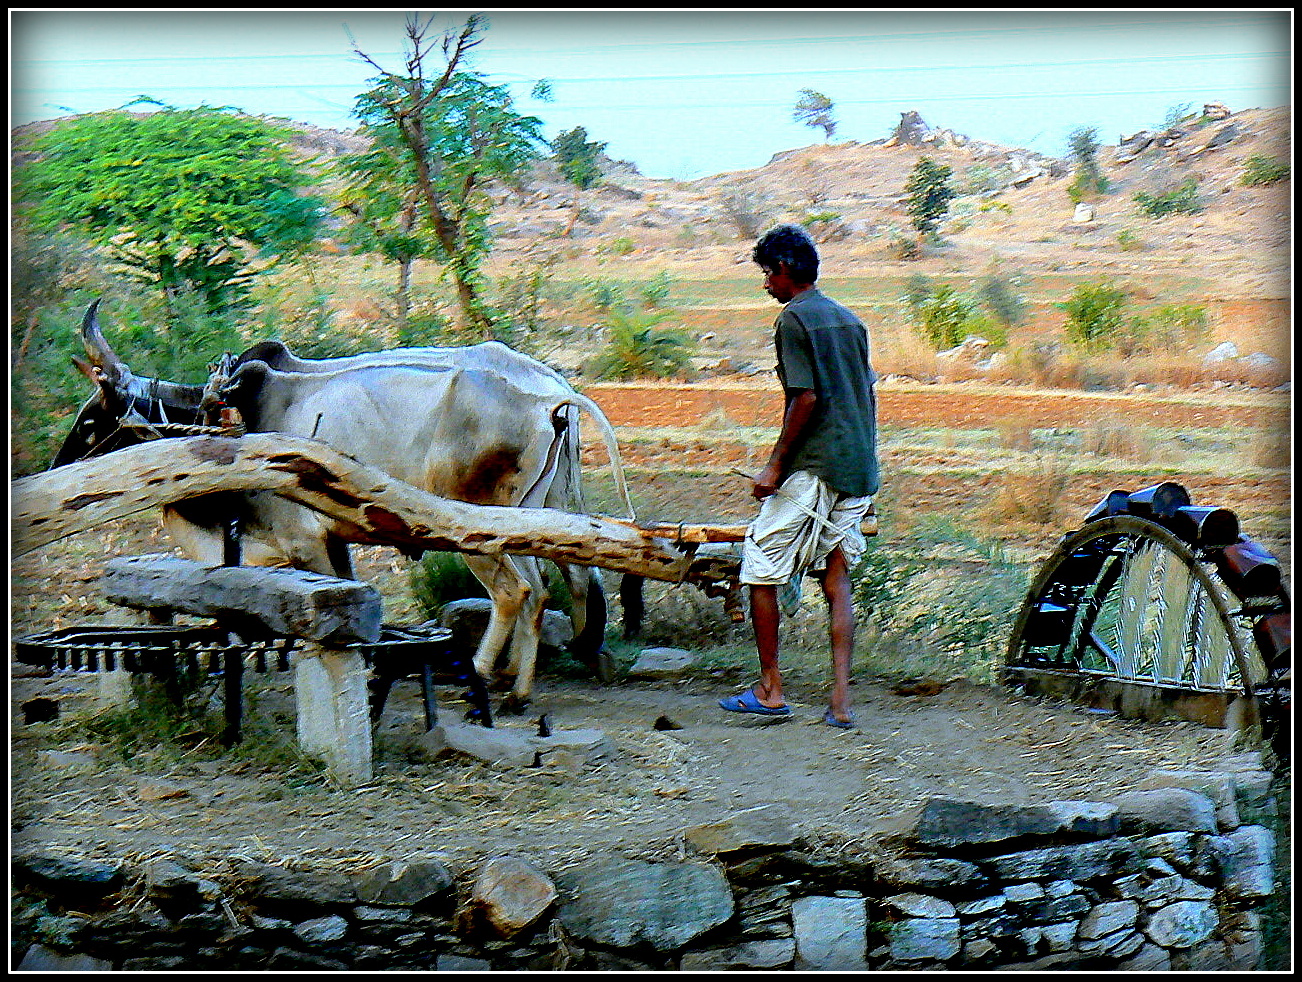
x=409, y=96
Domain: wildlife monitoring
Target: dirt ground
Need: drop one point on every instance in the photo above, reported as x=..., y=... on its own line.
x=841, y=789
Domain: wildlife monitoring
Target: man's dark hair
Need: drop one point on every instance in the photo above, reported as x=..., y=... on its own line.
x=788, y=244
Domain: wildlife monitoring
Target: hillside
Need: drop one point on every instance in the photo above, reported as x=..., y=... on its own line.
x=1014, y=218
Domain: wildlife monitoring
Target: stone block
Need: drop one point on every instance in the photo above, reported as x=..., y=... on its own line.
x=920, y=905
x=949, y=822
x=623, y=902
x=511, y=894
x=1108, y=918
x=769, y=954
x=403, y=882
x=41, y=959
x=321, y=930
x=1218, y=786
x=662, y=663
x=333, y=711
x=1246, y=858
x=284, y=601
x=766, y=826
x=929, y=873
x=831, y=934
x=1166, y=810
x=924, y=939
x=1182, y=924
x=1083, y=861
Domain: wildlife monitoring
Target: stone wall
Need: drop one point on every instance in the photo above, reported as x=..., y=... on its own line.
x=1165, y=877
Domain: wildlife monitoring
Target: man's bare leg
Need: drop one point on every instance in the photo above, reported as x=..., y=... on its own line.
x=764, y=617
x=840, y=601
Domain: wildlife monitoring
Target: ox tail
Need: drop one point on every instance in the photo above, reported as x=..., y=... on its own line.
x=537, y=493
x=612, y=446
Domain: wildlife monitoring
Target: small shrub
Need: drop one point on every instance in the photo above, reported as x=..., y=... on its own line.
x=604, y=294
x=1034, y=498
x=945, y=317
x=1000, y=206
x=623, y=246
x=638, y=348
x=903, y=247
x=1128, y=240
x=1258, y=169
x=1180, y=200
x=656, y=292
x=1095, y=316
x=746, y=212
x=952, y=591
x=441, y=577
x=1002, y=300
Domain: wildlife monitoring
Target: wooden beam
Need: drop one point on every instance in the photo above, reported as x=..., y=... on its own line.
x=372, y=506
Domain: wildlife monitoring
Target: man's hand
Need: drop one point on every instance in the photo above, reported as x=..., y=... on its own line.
x=767, y=482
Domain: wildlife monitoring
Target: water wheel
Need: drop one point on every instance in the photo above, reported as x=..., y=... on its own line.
x=1155, y=608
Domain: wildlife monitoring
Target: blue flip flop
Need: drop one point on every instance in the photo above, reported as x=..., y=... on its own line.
x=748, y=702
x=830, y=719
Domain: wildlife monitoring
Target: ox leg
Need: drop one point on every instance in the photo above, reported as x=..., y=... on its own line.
x=528, y=627
x=588, y=615
x=341, y=561
x=508, y=591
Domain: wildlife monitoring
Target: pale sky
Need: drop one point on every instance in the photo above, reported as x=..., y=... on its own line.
x=684, y=94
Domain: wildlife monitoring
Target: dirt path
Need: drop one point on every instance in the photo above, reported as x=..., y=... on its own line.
x=837, y=787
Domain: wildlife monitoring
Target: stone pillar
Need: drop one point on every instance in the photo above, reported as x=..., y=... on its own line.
x=334, y=722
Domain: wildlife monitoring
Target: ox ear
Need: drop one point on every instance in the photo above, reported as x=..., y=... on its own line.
x=107, y=390
x=244, y=385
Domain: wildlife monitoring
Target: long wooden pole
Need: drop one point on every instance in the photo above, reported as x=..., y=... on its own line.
x=374, y=507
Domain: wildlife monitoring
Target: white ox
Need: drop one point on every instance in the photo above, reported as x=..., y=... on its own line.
x=461, y=433
x=196, y=524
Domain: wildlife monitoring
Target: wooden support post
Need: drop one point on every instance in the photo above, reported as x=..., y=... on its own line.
x=334, y=720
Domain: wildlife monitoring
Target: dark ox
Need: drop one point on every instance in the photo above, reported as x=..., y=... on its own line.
x=484, y=433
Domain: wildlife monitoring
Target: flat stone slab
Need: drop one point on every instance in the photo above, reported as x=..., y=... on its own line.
x=285, y=602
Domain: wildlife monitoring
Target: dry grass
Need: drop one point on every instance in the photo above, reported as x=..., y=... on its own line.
x=1115, y=440
x=1034, y=497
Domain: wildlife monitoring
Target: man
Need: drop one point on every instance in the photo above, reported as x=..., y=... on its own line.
x=823, y=464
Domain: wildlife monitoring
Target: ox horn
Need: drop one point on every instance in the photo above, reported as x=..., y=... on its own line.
x=97, y=347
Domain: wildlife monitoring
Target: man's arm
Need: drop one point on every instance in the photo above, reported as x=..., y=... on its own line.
x=801, y=405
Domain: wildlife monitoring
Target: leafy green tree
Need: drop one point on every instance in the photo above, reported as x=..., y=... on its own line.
x=576, y=156
x=929, y=194
x=1095, y=316
x=446, y=138
x=1084, y=146
x=815, y=110
x=185, y=199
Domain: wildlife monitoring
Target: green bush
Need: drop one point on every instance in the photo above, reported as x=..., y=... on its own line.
x=656, y=292
x=951, y=591
x=1128, y=240
x=638, y=348
x=441, y=577
x=1095, y=316
x=944, y=317
x=1180, y=200
x=1259, y=169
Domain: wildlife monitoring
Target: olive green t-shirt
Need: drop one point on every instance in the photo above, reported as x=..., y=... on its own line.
x=824, y=347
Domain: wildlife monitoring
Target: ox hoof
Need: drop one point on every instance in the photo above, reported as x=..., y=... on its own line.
x=514, y=705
